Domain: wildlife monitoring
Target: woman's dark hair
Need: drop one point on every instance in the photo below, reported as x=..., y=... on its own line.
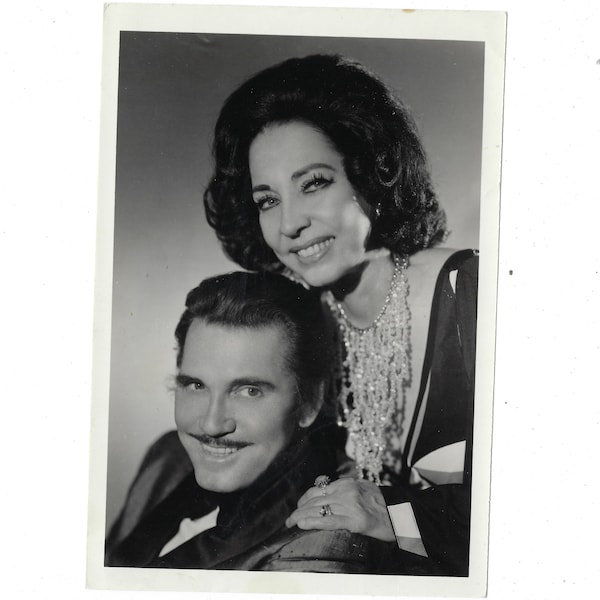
x=382, y=154
x=258, y=300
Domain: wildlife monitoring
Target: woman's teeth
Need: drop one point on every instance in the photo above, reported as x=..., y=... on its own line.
x=314, y=249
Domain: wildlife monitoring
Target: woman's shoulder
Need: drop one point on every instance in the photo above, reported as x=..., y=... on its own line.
x=462, y=260
x=427, y=270
x=436, y=259
x=422, y=273
x=426, y=266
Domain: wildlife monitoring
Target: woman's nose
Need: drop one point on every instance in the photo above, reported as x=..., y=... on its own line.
x=217, y=420
x=293, y=219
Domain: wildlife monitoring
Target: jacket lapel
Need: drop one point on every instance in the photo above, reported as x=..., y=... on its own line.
x=160, y=524
x=247, y=520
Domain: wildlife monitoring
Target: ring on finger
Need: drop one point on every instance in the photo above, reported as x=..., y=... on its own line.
x=325, y=510
x=322, y=481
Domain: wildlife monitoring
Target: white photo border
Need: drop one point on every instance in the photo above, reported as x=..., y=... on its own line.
x=487, y=27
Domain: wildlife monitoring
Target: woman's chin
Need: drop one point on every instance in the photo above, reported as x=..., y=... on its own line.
x=315, y=278
x=331, y=276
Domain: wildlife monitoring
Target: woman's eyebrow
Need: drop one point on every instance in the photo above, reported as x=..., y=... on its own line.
x=307, y=168
x=263, y=187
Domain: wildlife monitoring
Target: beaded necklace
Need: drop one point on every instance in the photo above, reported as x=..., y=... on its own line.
x=374, y=374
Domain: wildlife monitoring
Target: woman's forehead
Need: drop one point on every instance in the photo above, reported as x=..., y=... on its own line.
x=293, y=146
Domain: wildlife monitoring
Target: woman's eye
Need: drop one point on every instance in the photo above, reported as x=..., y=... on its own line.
x=266, y=202
x=316, y=182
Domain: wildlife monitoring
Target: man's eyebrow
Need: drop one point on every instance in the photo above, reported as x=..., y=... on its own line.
x=182, y=379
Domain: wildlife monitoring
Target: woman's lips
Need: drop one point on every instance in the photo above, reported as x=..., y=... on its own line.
x=313, y=251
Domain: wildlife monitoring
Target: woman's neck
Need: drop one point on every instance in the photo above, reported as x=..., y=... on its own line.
x=363, y=292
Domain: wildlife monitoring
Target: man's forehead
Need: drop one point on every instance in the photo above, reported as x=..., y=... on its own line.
x=255, y=351
x=265, y=332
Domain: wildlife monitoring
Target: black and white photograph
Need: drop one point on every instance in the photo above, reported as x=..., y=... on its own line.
x=296, y=282
x=227, y=367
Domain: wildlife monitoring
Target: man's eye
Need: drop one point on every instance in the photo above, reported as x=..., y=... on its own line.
x=266, y=202
x=250, y=392
x=194, y=386
x=189, y=384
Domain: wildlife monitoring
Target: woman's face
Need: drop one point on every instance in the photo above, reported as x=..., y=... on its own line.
x=309, y=213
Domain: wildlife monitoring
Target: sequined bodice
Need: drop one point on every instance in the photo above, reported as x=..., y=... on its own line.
x=373, y=373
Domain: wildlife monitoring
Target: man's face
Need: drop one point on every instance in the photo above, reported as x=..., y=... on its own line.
x=235, y=403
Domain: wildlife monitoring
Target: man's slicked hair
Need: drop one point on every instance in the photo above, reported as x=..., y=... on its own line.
x=258, y=300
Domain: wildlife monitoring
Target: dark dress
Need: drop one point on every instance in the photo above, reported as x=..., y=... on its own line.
x=430, y=502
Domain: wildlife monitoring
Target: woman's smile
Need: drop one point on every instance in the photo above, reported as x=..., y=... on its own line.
x=313, y=251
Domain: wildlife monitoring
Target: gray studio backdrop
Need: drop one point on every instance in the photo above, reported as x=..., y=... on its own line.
x=171, y=87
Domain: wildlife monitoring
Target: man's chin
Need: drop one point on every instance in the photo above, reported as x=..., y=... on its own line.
x=221, y=485
x=211, y=484
x=224, y=481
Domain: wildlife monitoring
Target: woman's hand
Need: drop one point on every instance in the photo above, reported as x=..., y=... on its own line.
x=355, y=505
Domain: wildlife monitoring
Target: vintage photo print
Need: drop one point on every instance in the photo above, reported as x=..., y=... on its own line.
x=205, y=439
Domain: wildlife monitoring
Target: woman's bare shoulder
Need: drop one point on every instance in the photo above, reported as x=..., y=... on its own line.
x=432, y=258
x=424, y=267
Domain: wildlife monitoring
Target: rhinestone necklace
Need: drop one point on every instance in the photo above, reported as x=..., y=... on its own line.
x=374, y=374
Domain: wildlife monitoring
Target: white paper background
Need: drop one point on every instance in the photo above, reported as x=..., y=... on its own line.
x=547, y=417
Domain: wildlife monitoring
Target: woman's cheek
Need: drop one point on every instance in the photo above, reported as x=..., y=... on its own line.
x=269, y=230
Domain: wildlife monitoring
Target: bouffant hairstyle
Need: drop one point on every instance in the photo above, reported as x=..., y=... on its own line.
x=382, y=154
x=257, y=300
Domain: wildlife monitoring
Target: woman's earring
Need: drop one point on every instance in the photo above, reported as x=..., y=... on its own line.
x=378, y=210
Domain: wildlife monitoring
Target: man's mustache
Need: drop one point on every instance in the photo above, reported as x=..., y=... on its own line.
x=219, y=442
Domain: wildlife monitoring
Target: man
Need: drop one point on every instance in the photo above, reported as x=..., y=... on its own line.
x=252, y=360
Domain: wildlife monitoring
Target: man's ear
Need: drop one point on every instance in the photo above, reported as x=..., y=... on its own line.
x=309, y=412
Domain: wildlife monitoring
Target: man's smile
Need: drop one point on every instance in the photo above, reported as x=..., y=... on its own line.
x=218, y=447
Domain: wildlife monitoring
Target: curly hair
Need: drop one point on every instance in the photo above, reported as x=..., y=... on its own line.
x=374, y=133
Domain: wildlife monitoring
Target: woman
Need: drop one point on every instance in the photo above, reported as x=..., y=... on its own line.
x=320, y=174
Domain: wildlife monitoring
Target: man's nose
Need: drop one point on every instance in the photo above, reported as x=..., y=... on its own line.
x=218, y=420
x=293, y=218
